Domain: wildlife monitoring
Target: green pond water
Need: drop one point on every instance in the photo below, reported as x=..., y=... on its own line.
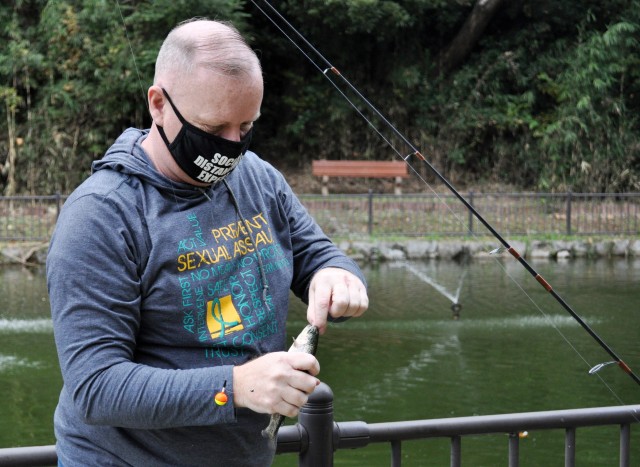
x=513, y=349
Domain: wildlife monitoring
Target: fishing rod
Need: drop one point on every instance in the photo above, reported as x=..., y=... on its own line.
x=327, y=70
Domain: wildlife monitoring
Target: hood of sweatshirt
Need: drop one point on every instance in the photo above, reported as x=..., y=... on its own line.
x=127, y=157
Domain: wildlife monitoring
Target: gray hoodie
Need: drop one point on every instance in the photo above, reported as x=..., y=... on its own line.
x=156, y=292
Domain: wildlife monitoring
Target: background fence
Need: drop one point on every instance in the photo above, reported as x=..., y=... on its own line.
x=28, y=218
x=32, y=218
x=509, y=213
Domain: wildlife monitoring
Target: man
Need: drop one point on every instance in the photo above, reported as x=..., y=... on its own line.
x=169, y=276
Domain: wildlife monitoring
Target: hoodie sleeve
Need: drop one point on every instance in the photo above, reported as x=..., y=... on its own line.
x=312, y=249
x=93, y=272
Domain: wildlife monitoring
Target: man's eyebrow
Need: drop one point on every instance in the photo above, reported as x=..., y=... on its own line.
x=211, y=128
x=217, y=127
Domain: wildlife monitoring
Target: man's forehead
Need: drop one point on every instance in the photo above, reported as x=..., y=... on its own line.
x=222, y=100
x=204, y=30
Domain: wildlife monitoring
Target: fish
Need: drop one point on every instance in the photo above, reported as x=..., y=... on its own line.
x=306, y=342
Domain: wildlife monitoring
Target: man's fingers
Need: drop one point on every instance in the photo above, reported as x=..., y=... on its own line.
x=349, y=299
x=285, y=380
x=319, y=303
x=337, y=293
x=292, y=401
x=304, y=362
x=364, y=301
x=358, y=298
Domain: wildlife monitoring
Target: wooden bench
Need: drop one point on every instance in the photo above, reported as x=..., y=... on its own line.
x=365, y=169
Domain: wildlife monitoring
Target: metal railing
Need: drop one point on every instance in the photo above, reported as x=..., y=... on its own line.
x=32, y=218
x=509, y=213
x=28, y=218
x=316, y=436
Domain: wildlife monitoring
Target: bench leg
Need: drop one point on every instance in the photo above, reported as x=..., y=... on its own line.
x=325, y=185
x=398, y=189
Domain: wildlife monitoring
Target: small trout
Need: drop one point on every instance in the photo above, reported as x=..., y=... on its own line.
x=307, y=342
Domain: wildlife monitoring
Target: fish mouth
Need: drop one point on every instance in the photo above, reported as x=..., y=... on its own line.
x=310, y=330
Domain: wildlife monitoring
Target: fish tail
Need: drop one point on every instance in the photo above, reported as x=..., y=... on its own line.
x=271, y=431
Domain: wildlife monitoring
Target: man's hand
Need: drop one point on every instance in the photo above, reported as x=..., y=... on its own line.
x=278, y=382
x=337, y=293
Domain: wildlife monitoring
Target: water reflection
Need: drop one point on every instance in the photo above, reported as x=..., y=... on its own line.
x=514, y=349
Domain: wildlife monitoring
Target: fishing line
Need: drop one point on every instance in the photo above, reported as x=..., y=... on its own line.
x=261, y=268
x=144, y=94
x=328, y=69
x=414, y=152
x=144, y=99
x=133, y=56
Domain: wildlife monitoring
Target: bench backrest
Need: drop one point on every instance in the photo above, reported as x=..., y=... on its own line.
x=368, y=169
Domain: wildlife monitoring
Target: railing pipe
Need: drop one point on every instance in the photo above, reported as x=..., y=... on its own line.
x=456, y=451
x=396, y=454
x=317, y=436
x=350, y=435
x=292, y=439
x=625, y=445
x=503, y=423
x=514, y=450
x=31, y=456
x=570, y=447
x=407, y=215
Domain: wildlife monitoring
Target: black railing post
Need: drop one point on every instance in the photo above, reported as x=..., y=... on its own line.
x=625, y=445
x=514, y=449
x=370, y=221
x=570, y=447
x=456, y=451
x=316, y=416
x=396, y=453
x=317, y=437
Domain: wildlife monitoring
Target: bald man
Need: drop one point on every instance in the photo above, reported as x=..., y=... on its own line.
x=169, y=275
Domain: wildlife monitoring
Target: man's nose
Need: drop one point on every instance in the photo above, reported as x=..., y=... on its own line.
x=231, y=134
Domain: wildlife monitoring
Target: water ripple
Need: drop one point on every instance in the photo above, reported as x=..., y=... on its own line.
x=10, y=362
x=42, y=325
x=516, y=322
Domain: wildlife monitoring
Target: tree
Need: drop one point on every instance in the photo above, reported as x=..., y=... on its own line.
x=11, y=101
x=472, y=29
x=79, y=72
x=536, y=93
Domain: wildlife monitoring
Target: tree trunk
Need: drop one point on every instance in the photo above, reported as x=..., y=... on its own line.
x=469, y=34
x=9, y=168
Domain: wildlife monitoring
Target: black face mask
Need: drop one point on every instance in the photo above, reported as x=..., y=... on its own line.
x=204, y=157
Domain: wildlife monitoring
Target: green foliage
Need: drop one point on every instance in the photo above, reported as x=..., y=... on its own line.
x=593, y=140
x=544, y=106
x=81, y=69
x=548, y=99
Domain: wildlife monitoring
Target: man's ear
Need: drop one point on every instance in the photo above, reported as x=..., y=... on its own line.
x=156, y=104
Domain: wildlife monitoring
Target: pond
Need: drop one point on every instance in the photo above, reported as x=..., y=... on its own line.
x=512, y=349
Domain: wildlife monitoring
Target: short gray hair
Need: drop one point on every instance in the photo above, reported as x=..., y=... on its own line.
x=199, y=42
